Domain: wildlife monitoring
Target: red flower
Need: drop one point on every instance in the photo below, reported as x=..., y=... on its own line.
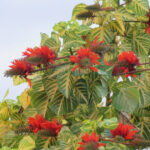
x=126, y=131
x=20, y=67
x=90, y=142
x=44, y=53
x=107, y=63
x=39, y=123
x=85, y=59
x=126, y=63
x=147, y=30
x=97, y=47
x=53, y=127
x=35, y=123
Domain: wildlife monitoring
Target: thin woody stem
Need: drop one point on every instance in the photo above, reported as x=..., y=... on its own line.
x=49, y=67
x=107, y=9
x=143, y=64
x=136, y=21
x=63, y=57
x=113, y=140
x=142, y=70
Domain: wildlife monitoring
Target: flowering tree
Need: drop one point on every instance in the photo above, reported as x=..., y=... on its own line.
x=88, y=83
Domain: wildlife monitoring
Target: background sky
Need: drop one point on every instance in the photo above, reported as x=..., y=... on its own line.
x=21, y=22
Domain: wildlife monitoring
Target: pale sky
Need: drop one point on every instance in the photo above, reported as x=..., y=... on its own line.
x=21, y=22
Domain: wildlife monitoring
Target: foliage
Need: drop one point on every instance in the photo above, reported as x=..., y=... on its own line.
x=85, y=101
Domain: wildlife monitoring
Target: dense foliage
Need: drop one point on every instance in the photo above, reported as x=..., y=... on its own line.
x=88, y=83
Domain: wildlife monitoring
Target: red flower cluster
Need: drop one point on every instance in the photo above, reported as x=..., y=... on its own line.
x=147, y=30
x=96, y=47
x=43, y=52
x=39, y=123
x=90, y=142
x=126, y=131
x=126, y=63
x=85, y=59
x=22, y=68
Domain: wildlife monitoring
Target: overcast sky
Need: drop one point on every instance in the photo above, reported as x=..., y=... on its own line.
x=21, y=22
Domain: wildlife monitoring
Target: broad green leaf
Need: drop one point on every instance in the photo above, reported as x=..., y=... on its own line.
x=44, y=37
x=111, y=123
x=4, y=111
x=126, y=99
x=18, y=80
x=53, y=43
x=27, y=143
x=39, y=97
x=139, y=7
x=117, y=146
x=78, y=9
x=103, y=33
x=65, y=82
x=25, y=99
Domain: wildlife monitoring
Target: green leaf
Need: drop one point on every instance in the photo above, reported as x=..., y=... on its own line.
x=111, y=123
x=39, y=97
x=78, y=9
x=117, y=146
x=126, y=99
x=53, y=43
x=139, y=7
x=65, y=82
x=103, y=33
x=4, y=111
x=60, y=27
x=44, y=37
x=18, y=80
x=27, y=143
x=25, y=99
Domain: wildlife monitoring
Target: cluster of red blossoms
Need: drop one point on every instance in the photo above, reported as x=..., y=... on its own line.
x=85, y=59
x=126, y=63
x=22, y=67
x=90, y=142
x=147, y=30
x=126, y=131
x=44, y=54
x=39, y=123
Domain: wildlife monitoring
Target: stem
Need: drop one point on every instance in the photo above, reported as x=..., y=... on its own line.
x=113, y=140
x=49, y=67
x=136, y=21
x=107, y=9
x=62, y=57
x=143, y=64
x=142, y=70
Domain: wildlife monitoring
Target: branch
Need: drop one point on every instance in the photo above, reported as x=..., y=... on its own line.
x=49, y=67
x=107, y=9
x=113, y=140
x=142, y=70
x=136, y=21
x=143, y=64
x=63, y=57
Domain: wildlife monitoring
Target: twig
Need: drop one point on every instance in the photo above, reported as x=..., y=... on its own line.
x=142, y=70
x=113, y=140
x=107, y=9
x=49, y=67
x=136, y=21
x=63, y=57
